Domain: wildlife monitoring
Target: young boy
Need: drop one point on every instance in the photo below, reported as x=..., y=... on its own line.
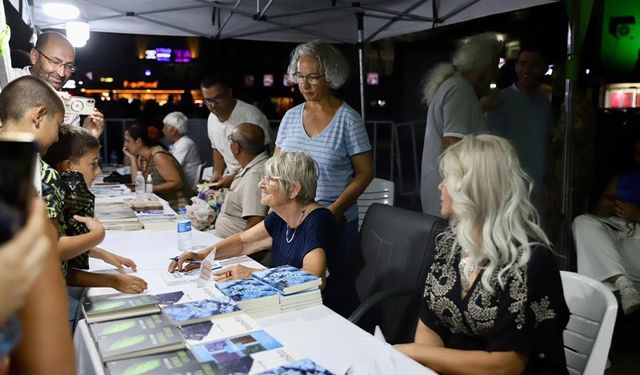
x=75, y=157
x=30, y=105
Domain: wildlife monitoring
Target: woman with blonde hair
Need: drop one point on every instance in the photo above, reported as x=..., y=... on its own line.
x=493, y=299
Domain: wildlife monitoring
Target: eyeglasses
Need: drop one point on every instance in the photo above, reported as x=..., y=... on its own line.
x=57, y=63
x=215, y=100
x=266, y=178
x=311, y=79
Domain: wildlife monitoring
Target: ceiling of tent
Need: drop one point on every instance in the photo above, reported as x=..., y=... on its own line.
x=277, y=20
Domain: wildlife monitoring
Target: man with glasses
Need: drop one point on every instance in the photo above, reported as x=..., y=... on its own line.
x=226, y=113
x=242, y=208
x=53, y=60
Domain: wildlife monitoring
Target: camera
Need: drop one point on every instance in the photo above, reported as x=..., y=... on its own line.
x=79, y=105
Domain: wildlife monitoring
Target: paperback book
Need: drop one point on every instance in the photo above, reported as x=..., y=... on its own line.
x=304, y=366
x=249, y=292
x=288, y=279
x=129, y=325
x=177, y=278
x=218, y=329
x=180, y=362
x=199, y=311
x=235, y=347
x=103, y=308
x=139, y=342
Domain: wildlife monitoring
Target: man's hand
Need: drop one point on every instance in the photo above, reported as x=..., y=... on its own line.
x=94, y=123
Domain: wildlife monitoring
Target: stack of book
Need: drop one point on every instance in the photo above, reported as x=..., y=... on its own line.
x=106, y=190
x=158, y=220
x=149, y=202
x=253, y=296
x=110, y=307
x=298, y=289
x=117, y=216
x=198, y=311
x=135, y=337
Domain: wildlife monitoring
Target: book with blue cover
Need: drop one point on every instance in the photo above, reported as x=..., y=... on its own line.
x=250, y=292
x=288, y=279
x=180, y=362
x=235, y=347
x=199, y=311
x=304, y=366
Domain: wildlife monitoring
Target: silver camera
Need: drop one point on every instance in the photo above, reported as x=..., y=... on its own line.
x=79, y=105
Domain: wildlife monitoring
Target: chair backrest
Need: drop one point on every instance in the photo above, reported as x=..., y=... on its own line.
x=378, y=191
x=396, y=248
x=588, y=334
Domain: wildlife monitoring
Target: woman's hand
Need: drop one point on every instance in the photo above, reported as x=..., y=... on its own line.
x=129, y=284
x=235, y=272
x=178, y=265
x=128, y=154
x=627, y=211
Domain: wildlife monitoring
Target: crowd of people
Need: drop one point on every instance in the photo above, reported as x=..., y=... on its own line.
x=493, y=298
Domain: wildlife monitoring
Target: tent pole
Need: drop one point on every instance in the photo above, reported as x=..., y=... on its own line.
x=360, y=17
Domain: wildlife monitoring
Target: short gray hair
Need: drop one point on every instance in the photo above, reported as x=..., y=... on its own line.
x=331, y=62
x=292, y=167
x=178, y=121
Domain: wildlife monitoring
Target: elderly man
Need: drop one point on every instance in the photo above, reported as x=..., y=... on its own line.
x=242, y=208
x=226, y=113
x=452, y=91
x=53, y=60
x=183, y=148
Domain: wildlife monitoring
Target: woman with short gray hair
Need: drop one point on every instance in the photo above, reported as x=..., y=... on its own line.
x=299, y=231
x=333, y=134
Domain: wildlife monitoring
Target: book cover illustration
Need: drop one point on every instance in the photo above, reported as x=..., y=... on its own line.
x=288, y=279
x=103, y=305
x=302, y=367
x=169, y=298
x=218, y=329
x=198, y=311
x=246, y=289
x=130, y=344
x=180, y=362
x=235, y=347
x=129, y=326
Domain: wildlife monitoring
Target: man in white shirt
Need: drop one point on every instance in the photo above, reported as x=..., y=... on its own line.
x=182, y=147
x=53, y=60
x=226, y=113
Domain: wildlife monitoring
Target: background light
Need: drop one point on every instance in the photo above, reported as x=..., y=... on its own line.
x=78, y=33
x=60, y=10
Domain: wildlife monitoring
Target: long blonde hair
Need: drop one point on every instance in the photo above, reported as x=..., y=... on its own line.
x=490, y=201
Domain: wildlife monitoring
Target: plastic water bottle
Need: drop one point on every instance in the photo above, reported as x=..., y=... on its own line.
x=139, y=184
x=113, y=157
x=148, y=187
x=184, y=230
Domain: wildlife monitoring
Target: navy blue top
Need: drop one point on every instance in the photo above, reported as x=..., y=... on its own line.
x=316, y=231
x=628, y=187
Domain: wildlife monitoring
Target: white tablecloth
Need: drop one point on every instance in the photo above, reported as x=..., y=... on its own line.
x=316, y=333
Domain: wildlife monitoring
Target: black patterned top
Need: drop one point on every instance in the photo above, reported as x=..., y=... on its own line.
x=54, y=200
x=527, y=316
x=78, y=200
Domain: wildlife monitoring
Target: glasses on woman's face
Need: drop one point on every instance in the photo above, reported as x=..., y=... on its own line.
x=311, y=79
x=266, y=178
x=68, y=67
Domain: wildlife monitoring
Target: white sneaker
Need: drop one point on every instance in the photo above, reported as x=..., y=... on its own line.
x=629, y=295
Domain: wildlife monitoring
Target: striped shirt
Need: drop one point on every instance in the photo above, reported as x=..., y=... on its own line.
x=344, y=137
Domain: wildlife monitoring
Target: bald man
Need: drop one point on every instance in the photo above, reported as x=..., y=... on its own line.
x=53, y=60
x=242, y=208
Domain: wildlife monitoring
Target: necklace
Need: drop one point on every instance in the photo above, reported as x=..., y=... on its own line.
x=286, y=235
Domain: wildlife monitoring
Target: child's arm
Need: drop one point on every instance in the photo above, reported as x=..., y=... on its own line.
x=115, y=260
x=123, y=283
x=72, y=246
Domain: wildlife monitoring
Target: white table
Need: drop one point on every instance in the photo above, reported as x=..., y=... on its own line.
x=317, y=332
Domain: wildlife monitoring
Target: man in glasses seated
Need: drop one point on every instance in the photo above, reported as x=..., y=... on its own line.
x=53, y=60
x=226, y=113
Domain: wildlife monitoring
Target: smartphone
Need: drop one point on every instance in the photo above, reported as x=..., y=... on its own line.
x=79, y=105
x=18, y=158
